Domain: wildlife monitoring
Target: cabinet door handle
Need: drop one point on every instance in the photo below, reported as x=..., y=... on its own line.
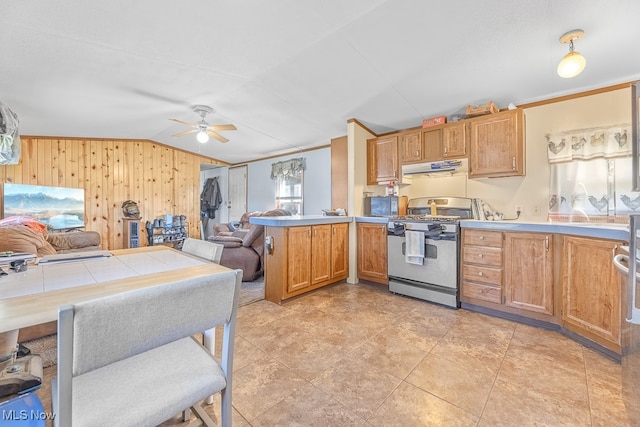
x=513, y=163
x=480, y=255
x=480, y=274
x=546, y=243
x=481, y=237
x=445, y=149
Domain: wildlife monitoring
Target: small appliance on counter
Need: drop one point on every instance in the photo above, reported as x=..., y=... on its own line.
x=385, y=205
x=334, y=212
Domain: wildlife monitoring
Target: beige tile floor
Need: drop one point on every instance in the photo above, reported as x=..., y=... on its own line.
x=358, y=355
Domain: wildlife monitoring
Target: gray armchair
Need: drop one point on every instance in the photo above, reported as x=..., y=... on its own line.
x=244, y=248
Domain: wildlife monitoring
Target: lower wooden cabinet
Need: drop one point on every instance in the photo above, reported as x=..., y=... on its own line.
x=305, y=258
x=528, y=272
x=372, y=252
x=559, y=279
x=340, y=250
x=299, y=265
x=482, y=266
x=510, y=271
x=591, y=290
x=321, y=248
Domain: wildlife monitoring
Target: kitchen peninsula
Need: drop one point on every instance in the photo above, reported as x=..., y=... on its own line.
x=303, y=252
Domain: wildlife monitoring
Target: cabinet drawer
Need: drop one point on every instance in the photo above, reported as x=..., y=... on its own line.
x=483, y=292
x=483, y=238
x=482, y=255
x=476, y=273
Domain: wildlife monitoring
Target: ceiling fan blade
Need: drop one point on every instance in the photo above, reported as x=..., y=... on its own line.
x=222, y=127
x=217, y=136
x=184, y=123
x=186, y=132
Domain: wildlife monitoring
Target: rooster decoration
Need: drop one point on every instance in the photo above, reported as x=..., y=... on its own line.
x=554, y=200
x=631, y=204
x=599, y=204
x=597, y=141
x=553, y=147
x=621, y=138
x=576, y=143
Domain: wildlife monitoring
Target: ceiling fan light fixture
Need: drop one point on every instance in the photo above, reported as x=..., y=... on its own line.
x=573, y=62
x=202, y=137
x=203, y=129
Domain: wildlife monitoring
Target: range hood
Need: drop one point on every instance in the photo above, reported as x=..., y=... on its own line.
x=445, y=167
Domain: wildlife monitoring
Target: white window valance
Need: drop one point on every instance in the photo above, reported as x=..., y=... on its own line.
x=288, y=168
x=586, y=144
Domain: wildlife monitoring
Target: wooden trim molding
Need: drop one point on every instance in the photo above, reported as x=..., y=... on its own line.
x=359, y=123
x=576, y=95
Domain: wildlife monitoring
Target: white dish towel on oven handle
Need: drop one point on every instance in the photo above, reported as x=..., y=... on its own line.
x=414, y=247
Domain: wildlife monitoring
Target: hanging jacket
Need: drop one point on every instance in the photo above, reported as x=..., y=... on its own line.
x=210, y=198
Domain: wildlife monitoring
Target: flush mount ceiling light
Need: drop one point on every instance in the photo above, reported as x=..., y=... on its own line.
x=573, y=62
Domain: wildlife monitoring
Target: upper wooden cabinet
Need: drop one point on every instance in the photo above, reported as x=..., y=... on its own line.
x=454, y=140
x=434, y=144
x=493, y=143
x=411, y=147
x=497, y=145
x=382, y=160
x=432, y=139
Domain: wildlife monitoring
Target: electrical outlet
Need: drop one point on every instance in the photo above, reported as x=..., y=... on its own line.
x=519, y=208
x=535, y=210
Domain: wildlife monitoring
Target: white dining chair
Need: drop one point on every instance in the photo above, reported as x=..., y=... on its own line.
x=130, y=359
x=203, y=249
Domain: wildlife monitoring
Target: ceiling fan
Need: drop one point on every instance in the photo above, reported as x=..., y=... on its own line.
x=202, y=129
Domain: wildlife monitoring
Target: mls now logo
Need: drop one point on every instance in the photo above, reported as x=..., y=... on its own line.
x=23, y=414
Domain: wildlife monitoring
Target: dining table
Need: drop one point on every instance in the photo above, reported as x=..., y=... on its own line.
x=33, y=296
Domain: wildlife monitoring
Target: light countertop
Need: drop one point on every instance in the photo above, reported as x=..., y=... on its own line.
x=296, y=220
x=373, y=219
x=605, y=231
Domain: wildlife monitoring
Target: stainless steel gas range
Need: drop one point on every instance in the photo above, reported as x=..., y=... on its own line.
x=424, y=249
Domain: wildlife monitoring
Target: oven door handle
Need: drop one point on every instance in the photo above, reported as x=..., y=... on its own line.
x=448, y=237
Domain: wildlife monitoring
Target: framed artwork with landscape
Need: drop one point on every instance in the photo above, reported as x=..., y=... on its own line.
x=59, y=208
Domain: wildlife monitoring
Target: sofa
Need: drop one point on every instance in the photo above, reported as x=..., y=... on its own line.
x=21, y=238
x=34, y=239
x=244, y=244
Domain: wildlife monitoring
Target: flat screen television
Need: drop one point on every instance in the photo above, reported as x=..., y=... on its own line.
x=57, y=207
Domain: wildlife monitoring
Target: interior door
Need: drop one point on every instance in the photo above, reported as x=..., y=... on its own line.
x=237, y=192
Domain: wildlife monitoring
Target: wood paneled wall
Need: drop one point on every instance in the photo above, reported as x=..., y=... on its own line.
x=161, y=179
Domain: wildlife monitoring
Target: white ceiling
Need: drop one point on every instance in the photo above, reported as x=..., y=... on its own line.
x=290, y=73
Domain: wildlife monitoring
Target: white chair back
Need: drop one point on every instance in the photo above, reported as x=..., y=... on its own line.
x=203, y=249
x=111, y=351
